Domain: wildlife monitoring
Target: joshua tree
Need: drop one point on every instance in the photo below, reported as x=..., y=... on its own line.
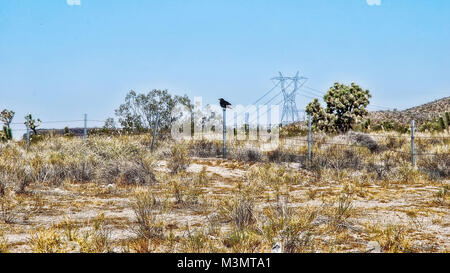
x=6, y=117
x=33, y=123
x=345, y=106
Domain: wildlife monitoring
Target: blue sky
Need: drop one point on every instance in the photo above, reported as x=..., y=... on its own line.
x=59, y=61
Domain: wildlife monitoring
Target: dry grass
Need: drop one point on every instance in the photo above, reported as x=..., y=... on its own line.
x=113, y=194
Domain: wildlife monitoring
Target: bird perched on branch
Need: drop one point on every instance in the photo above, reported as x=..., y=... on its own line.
x=224, y=103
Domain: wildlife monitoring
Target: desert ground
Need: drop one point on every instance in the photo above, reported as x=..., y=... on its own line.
x=360, y=193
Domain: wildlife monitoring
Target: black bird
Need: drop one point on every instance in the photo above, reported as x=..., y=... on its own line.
x=224, y=103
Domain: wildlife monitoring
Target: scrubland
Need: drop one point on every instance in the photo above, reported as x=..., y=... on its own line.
x=360, y=193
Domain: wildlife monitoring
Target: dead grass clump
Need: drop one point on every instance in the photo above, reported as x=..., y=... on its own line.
x=441, y=195
x=243, y=241
x=4, y=245
x=406, y=174
x=338, y=158
x=395, y=143
x=205, y=148
x=436, y=166
x=179, y=158
x=194, y=241
x=293, y=229
x=384, y=166
x=66, y=237
x=80, y=171
x=245, y=154
x=145, y=209
x=126, y=173
x=394, y=239
x=132, y=173
x=8, y=209
x=281, y=155
x=239, y=211
x=366, y=141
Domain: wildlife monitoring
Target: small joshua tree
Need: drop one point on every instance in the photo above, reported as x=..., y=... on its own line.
x=6, y=116
x=32, y=123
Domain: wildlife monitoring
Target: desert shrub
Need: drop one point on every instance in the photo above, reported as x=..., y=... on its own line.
x=23, y=178
x=203, y=178
x=392, y=126
x=245, y=154
x=394, y=239
x=205, y=148
x=436, y=166
x=395, y=142
x=4, y=245
x=338, y=158
x=441, y=195
x=132, y=173
x=242, y=241
x=239, y=211
x=195, y=241
x=65, y=237
x=292, y=227
x=8, y=210
x=282, y=155
x=185, y=193
x=126, y=173
x=2, y=186
x=46, y=241
x=145, y=208
x=384, y=166
x=343, y=210
x=366, y=141
x=179, y=158
x=81, y=171
x=406, y=173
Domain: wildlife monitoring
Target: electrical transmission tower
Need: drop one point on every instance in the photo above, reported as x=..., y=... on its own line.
x=289, y=87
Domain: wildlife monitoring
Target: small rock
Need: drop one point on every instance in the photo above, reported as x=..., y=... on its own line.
x=373, y=247
x=277, y=248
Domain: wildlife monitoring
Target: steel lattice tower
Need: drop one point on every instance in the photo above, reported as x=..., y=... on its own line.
x=289, y=87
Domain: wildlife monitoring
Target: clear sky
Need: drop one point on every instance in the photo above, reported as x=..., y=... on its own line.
x=59, y=61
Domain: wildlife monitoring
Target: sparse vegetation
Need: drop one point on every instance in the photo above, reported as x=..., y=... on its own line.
x=183, y=197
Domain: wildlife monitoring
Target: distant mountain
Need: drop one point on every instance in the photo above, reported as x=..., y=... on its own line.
x=420, y=114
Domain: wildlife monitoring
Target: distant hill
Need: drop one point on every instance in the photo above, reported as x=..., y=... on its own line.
x=420, y=114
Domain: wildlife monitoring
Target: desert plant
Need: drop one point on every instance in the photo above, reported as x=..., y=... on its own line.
x=33, y=124
x=441, y=195
x=345, y=106
x=179, y=158
x=8, y=210
x=4, y=245
x=394, y=239
x=147, y=224
x=6, y=116
x=239, y=211
x=139, y=111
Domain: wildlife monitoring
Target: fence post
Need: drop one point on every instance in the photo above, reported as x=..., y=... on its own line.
x=28, y=132
x=309, y=138
x=155, y=129
x=85, y=129
x=412, y=143
x=224, y=148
